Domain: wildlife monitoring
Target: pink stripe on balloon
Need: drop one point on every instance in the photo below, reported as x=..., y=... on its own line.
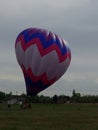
x=42, y=77
x=41, y=49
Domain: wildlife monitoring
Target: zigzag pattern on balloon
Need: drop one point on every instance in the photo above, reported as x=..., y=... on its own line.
x=43, y=56
x=43, y=77
x=47, y=38
x=44, y=46
x=38, y=73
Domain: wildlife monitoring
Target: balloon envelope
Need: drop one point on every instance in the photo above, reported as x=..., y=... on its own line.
x=43, y=56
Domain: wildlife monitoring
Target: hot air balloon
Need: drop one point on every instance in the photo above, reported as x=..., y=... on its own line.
x=43, y=57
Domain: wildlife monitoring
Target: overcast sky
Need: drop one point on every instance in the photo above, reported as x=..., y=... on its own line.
x=74, y=20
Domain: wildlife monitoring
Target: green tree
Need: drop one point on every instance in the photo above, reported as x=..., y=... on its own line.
x=76, y=97
x=2, y=96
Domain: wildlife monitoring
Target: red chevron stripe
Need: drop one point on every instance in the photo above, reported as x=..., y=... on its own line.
x=41, y=49
x=34, y=78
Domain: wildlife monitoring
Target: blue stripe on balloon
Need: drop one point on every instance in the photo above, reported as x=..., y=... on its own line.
x=32, y=87
x=46, y=43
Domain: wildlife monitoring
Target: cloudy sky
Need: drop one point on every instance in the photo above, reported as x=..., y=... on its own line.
x=74, y=20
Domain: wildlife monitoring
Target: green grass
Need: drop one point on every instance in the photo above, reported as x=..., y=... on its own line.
x=50, y=117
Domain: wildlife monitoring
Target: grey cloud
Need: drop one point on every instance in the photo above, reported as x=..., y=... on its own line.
x=76, y=21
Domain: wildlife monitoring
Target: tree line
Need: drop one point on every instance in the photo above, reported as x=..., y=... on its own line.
x=75, y=98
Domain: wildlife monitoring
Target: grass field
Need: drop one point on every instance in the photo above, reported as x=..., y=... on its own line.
x=50, y=117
